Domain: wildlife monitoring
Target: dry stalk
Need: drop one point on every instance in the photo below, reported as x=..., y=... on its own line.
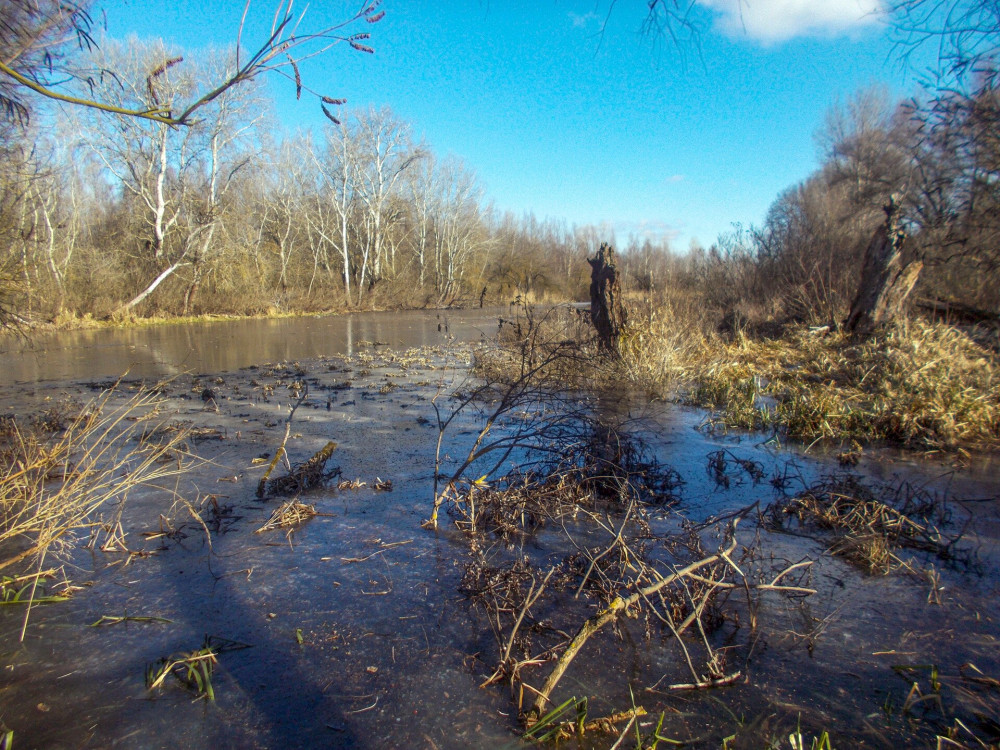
x=280, y=453
x=617, y=542
x=867, y=529
x=604, y=724
x=290, y=514
x=53, y=485
x=530, y=599
x=523, y=393
x=699, y=601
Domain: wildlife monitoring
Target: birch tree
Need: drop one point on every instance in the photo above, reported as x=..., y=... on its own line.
x=385, y=152
x=421, y=190
x=458, y=227
x=175, y=177
x=335, y=195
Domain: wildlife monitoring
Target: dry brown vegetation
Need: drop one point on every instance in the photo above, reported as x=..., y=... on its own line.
x=572, y=551
x=588, y=486
x=871, y=526
x=61, y=469
x=619, y=579
x=922, y=385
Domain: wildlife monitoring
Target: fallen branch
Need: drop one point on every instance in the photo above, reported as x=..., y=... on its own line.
x=595, y=623
x=380, y=550
x=728, y=679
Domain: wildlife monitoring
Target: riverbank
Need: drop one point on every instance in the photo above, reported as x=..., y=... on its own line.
x=73, y=322
x=921, y=385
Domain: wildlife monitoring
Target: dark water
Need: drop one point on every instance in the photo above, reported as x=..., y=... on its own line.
x=170, y=349
x=356, y=632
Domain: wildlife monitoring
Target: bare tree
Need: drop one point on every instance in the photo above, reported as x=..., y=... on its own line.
x=37, y=42
x=957, y=210
x=340, y=172
x=35, y=38
x=19, y=172
x=458, y=226
x=421, y=187
x=385, y=152
x=966, y=34
x=673, y=19
x=956, y=149
x=175, y=177
x=227, y=132
x=287, y=199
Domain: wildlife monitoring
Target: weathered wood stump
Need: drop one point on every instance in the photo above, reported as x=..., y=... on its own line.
x=607, y=312
x=886, y=278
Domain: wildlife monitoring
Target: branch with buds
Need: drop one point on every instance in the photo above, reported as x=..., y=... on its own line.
x=286, y=47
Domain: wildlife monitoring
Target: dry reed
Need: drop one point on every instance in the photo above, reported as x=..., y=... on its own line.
x=55, y=477
x=921, y=385
x=869, y=525
x=288, y=515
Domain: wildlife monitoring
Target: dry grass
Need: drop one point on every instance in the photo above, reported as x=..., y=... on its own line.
x=664, y=345
x=921, y=385
x=555, y=346
x=57, y=473
x=870, y=525
x=289, y=515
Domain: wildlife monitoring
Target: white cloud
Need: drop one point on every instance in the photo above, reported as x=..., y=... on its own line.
x=770, y=21
x=654, y=230
x=583, y=21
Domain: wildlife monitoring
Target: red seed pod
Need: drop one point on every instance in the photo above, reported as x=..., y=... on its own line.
x=331, y=100
x=376, y=18
x=327, y=112
x=298, y=78
x=165, y=66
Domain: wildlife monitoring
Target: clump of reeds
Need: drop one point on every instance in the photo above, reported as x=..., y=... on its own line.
x=193, y=669
x=305, y=476
x=554, y=347
x=869, y=525
x=921, y=385
x=57, y=474
x=662, y=345
x=517, y=504
x=584, y=464
x=25, y=590
x=288, y=515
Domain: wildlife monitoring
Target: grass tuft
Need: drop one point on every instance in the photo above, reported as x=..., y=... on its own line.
x=288, y=515
x=926, y=386
x=57, y=472
x=869, y=525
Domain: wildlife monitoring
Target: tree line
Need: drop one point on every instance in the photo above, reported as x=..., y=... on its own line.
x=106, y=213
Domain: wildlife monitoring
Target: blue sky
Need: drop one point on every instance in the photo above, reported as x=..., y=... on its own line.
x=571, y=122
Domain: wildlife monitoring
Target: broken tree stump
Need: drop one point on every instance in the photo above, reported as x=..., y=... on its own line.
x=886, y=279
x=607, y=312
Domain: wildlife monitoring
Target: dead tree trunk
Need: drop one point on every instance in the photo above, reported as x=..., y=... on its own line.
x=886, y=279
x=607, y=312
